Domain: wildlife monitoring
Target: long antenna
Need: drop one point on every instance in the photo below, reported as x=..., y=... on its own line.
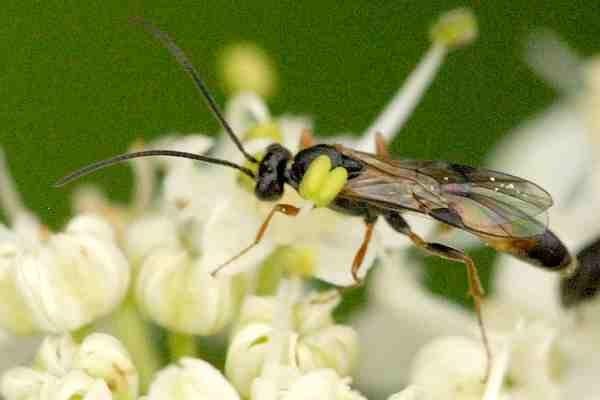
x=187, y=65
x=88, y=169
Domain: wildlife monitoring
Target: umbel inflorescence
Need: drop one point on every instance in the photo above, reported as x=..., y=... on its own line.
x=124, y=269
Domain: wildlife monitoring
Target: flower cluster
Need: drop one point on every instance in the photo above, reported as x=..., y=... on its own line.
x=125, y=296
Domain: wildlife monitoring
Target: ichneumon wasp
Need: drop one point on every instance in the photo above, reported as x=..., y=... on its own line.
x=502, y=210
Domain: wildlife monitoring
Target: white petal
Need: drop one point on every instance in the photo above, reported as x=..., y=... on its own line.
x=231, y=228
x=178, y=293
x=191, y=379
x=14, y=311
x=412, y=392
x=78, y=384
x=194, y=191
x=78, y=270
x=451, y=368
x=246, y=355
x=335, y=238
x=23, y=383
x=56, y=354
x=149, y=233
x=517, y=283
x=402, y=316
x=322, y=384
x=103, y=357
x=536, y=150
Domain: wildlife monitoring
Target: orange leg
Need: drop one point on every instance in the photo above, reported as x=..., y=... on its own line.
x=286, y=209
x=360, y=254
x=381, y=146
x=475, y=288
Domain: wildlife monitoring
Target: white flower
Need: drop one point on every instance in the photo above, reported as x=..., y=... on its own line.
x=43, y=274
x=81, y=270
x=320, y=384
x=76, y=384
x=191, y=379
x=230, y=214
x=314, y=341
x=98, y=368
x=104, y=357
x=173, y=287
x=451, y=368
x=401, y=317
x=24, y=383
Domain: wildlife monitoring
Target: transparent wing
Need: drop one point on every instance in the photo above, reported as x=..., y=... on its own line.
x=479, y=200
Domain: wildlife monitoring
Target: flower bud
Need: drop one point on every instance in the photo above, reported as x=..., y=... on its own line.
x=56, y=354
x=191, y=378
x=77, y=385
x=315, y=342
x=24, y=383
x=103, y=357
x=81, y=270
x=98, y=368
x=176, y=291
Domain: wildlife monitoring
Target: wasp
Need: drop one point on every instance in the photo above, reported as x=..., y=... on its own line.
x=504, y=211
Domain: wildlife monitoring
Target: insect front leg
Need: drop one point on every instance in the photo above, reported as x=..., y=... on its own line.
x=286, y=209
x=476, y=291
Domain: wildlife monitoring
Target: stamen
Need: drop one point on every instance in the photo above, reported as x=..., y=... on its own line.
x=453, y=29
x=500, y=365
x=143, y=171
x=288, y=293
x=10, y=199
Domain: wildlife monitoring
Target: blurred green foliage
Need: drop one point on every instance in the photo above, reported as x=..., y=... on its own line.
x=79, y=83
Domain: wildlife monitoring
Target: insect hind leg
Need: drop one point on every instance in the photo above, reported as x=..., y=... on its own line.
x=476, y=291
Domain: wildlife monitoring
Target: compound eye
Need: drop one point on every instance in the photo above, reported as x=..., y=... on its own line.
x=269, y=190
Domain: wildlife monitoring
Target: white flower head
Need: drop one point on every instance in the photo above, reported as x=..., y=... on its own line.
x=191, y=379
x=314, y=342
x=98, y=368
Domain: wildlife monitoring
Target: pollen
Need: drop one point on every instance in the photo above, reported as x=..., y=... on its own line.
x=321, y=184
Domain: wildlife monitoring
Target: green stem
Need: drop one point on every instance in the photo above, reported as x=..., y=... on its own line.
x=181, y=345
x=134, y=333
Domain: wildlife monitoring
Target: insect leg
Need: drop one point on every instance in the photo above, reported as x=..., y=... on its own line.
x=381, y=148
x=286, y=209
x=362, y=250
x=476, y=291
x=307, y=139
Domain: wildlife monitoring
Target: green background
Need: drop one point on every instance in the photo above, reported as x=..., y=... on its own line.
x=78, y=83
